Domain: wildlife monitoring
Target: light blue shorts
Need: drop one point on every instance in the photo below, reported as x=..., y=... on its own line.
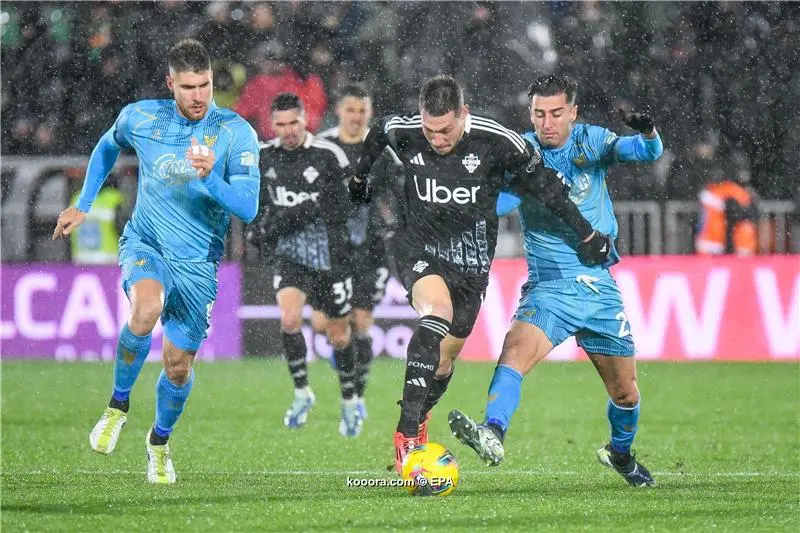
x=589, y=307
x=189, y=290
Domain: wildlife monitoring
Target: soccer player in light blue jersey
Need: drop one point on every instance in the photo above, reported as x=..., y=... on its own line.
x=562, y=296
x=197, y=165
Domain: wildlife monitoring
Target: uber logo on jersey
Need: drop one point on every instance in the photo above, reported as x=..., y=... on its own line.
x=286, y=198
x=310, y=174
x=440, y=194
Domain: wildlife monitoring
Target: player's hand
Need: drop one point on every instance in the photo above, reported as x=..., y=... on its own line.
x=69, y=219
x=641, y=122
x=201, y=157
x=595, y=250
x=360, y=191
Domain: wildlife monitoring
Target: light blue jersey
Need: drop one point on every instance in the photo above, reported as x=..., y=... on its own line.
x=177, y=231
x=182, y=217
x=563, y=297
x=584, y=160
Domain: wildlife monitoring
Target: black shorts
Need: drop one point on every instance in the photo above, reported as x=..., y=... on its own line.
x=329, y=291
x=466, y=290
x=370, y=270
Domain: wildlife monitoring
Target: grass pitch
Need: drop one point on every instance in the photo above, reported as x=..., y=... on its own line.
x=721, y=439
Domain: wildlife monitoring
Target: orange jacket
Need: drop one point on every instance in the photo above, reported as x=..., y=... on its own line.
x=727, y=223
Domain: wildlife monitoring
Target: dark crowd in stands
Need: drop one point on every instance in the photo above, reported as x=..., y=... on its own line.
x=721, y=78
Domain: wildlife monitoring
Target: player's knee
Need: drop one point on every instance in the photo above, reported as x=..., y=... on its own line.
x=291, y=322
x=319, y=322
x=362, y=321
x=144, y=315
x=625, y=394
x=339, y=339
x=178, y=371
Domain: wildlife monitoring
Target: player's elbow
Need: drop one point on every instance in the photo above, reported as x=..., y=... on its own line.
x=248, y=214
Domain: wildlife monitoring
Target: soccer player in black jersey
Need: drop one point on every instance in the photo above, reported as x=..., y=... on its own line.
x=456, y=164
x=302, y=227
x=368, y=229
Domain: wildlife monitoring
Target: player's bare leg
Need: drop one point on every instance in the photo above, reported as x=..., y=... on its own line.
x=523, y=347
x=431, y=299
x=147, y=301
x=619, y=377
x=172, y=390
x=362, y=321
x=290, y=302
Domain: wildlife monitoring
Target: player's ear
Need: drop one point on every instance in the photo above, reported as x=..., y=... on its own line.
x=464, y=111
x=573, y=113
x=170, y=83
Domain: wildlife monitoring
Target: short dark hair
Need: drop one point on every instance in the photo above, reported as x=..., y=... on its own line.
x=554, y=84
x=286, y=101
x=352, y=89
x=440, y=95
x=189, y=55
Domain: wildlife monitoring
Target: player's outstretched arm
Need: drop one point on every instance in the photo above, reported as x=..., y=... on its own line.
x=102, y=160
x=644, y=148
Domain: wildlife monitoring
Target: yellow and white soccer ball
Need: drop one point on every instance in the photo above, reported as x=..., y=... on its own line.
x=431, y=470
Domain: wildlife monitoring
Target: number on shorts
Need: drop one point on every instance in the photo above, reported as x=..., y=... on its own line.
x=624, y=330
x=276, y=282
x=343, y=290
x=380, y=282
x=383, y=277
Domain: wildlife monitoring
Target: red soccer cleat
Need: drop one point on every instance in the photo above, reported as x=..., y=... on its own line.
x=402, y=445
x=422, y=436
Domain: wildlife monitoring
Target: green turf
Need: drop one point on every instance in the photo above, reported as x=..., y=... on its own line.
x=722, y=440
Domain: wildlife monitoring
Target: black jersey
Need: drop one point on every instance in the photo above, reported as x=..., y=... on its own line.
x=450, y=200
x=368, y=223
x=302, y=190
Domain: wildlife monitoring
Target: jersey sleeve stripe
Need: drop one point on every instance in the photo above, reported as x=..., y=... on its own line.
x=494, y=127
x=341, y=157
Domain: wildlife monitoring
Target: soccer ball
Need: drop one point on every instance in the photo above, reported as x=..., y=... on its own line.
x=430, y=470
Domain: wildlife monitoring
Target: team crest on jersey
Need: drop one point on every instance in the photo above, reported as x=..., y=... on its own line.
x=271, y=174
x=210, y=140
x=580, y=161
x=471, y=162
x=419, y=267
x=310, y=174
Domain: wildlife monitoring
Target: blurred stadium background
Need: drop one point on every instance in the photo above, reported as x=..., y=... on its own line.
x=722, y=80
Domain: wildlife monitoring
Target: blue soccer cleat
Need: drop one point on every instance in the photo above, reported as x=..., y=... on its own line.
x=297, y=414
x=627, y=466
x=351, y=423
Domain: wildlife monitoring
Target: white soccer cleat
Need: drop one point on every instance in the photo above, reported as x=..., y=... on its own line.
x=105, y=434
x=297, y=414
x=351, y=423
x=159, y=463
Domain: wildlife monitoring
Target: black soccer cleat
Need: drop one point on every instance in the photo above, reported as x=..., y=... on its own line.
x=627, y=466
x=479, y=437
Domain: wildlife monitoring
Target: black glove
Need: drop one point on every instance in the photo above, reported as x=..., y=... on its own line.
x=262, y=237
x=596, y=250
x=360, y=191
x=641, y=122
